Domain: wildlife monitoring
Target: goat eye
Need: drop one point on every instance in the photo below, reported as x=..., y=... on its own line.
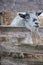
x=34, y=20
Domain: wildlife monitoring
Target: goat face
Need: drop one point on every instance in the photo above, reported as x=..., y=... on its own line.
x=31, y=20
x=28, y=20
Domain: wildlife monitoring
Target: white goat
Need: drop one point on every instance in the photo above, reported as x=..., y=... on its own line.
x=28, y=20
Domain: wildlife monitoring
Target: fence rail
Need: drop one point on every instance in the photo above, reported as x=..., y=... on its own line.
x=33, y=54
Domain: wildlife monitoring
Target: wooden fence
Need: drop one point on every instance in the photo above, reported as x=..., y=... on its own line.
x=10, y=51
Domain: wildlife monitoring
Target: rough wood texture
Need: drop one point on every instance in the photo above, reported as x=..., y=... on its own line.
x=7, y=33
x=10, y=61
x=10, y=51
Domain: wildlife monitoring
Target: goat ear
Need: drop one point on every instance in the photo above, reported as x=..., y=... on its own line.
x=38, y=13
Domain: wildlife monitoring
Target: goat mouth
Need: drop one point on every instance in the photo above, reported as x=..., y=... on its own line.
x=36, y=26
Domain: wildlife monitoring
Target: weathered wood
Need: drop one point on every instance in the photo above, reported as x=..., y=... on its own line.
x=33, y=54
x=7, y=32
x=20, y=62
x=24, y=48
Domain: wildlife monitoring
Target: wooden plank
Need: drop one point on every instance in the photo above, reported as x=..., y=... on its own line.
x=20, y=62
x=22, y=48
x=33, y=54
x=19, y=32
x=8, y=26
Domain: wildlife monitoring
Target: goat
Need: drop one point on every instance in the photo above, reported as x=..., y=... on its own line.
x=28, y=20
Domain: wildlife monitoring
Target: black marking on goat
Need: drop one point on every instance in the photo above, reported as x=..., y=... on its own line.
x=34, y=20
x=21, y=15
x=38, y=13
